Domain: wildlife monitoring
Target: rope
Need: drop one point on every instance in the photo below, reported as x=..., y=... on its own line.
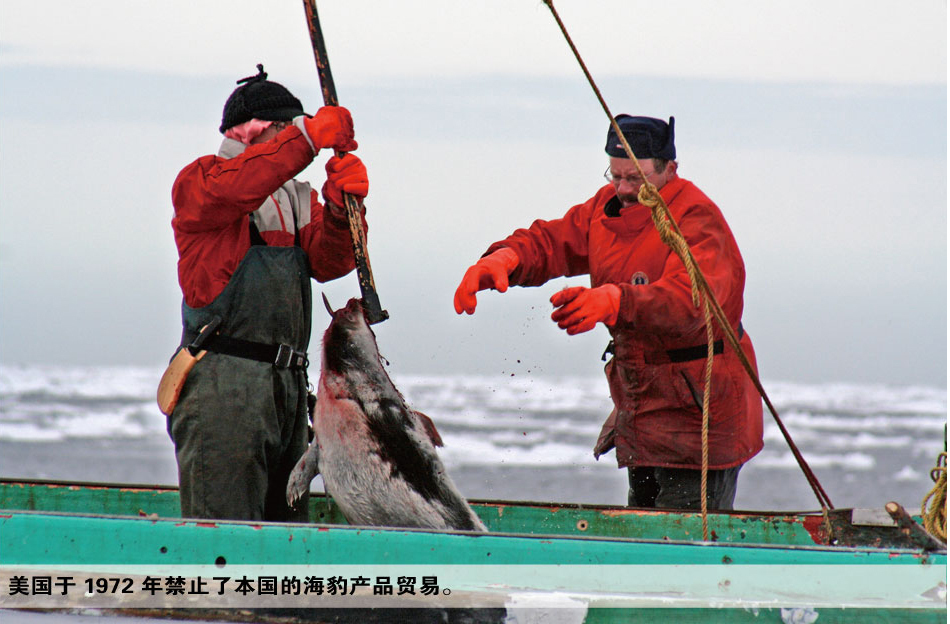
x=663, y=221
x=701, y=292
x=706, y=392
x=935, y=514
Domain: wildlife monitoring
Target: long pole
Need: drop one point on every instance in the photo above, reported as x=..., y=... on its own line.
x=364, y=272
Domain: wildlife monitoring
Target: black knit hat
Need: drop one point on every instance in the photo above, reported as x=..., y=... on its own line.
x=648, y=137
x=259, y=98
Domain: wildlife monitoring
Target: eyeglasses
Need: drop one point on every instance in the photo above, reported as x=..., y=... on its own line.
x=632, y=180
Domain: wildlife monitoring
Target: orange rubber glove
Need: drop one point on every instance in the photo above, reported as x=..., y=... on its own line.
x=346, y=174
x=579, y=309
x=492, y=271
x=332, y=126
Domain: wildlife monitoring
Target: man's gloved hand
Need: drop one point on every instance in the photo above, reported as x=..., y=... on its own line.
x=332, y=126
x=492, y=271
x=346, y=174
x=579, y=309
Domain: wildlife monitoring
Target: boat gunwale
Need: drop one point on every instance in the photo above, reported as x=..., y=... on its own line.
x=483, y=502
x=260, y=524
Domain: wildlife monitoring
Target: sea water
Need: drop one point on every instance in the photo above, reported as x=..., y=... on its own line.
x=528, y=437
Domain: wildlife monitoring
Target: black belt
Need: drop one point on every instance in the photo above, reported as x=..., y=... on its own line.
x=280, y=355
x=686, y=354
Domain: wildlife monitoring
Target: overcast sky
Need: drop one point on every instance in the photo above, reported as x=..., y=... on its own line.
x=819, y=128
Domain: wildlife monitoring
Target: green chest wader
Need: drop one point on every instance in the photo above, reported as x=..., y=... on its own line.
x=240, y=424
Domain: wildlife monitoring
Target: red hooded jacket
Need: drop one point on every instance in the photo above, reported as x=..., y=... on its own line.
x=656, y=421
x=215, y=197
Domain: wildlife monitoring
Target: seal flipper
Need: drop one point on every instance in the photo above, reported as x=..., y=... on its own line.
x=308, y=466
x=429, y=427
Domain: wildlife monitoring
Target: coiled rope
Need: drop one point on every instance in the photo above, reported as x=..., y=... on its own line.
x=702, y=293
x=933, y=509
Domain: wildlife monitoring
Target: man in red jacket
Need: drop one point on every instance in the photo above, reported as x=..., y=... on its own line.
x=250, y=237
x=640, y=291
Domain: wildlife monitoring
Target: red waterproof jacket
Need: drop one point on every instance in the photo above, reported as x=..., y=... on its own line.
x=216, y=198
x=655, y=369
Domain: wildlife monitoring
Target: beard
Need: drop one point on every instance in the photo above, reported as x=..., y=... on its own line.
x=628, y=199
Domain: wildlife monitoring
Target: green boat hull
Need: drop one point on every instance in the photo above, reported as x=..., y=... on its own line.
x=592, y=563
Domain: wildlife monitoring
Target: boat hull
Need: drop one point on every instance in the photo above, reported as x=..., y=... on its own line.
x=574, y=559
